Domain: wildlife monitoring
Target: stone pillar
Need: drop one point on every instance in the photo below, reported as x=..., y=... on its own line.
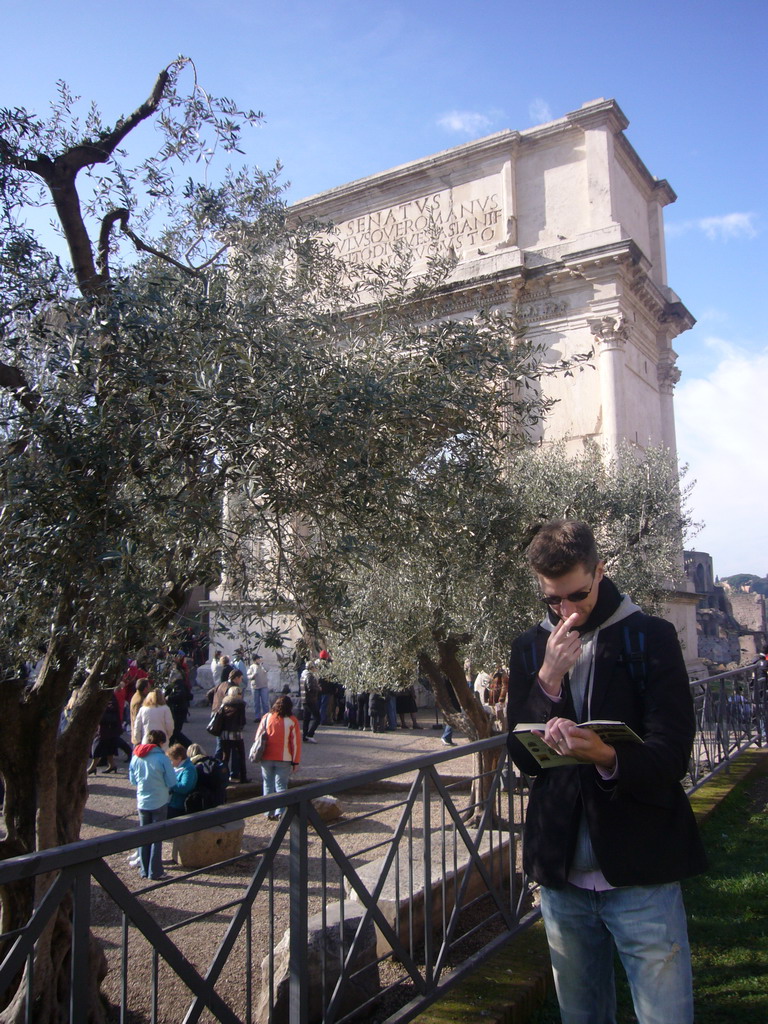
x=610, y=334
x=668, y=375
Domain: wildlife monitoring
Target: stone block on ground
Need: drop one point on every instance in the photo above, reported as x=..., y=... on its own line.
x=323, y=949
x=405, y=910
x=209, y=846
x=328, y=807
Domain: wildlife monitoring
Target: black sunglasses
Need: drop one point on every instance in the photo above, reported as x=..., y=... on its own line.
x=574, y=598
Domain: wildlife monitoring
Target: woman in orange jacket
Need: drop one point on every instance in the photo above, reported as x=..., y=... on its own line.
x=282, y=753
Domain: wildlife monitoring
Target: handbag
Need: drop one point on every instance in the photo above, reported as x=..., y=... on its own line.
x=259, y=745
x=215, y=724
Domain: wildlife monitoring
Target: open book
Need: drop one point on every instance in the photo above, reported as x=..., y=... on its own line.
x=609, y=732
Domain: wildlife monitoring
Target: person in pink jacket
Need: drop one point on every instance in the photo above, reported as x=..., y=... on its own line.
x=282, y=753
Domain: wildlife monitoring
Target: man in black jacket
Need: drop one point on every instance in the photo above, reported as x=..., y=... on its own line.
x=610, y=838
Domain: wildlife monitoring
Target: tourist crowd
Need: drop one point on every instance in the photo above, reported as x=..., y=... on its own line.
x=147, y=712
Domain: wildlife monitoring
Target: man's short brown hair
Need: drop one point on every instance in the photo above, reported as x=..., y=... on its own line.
x=560, y=545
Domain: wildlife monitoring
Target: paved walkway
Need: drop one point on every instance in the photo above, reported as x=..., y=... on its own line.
x=338, y=752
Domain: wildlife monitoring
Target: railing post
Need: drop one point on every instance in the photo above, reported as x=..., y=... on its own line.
x=509, y=792
x=80, y=953
x=429, y=942
x=299, y=917
x=722, y=719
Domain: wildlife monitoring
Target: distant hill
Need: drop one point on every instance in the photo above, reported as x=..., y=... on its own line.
x=758, y=583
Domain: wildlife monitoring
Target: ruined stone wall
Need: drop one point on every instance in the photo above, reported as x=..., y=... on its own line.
x=748, y=609
x=720, y=651
x=730, y=624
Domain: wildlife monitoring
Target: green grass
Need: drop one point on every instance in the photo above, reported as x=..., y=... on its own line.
x=727, y=917
x=728, y=911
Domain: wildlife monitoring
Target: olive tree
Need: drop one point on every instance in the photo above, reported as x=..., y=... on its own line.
x=188, y=380
x=460, y=587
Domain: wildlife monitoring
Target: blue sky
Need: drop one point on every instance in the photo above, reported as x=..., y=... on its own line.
x=352, y=88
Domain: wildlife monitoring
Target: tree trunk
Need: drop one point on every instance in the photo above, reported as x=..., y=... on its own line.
x=51, y=989
x=450, y=687
x=46, y=792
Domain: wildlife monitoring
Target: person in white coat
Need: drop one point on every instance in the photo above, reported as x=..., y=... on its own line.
x=153, y=714
x=258, y=680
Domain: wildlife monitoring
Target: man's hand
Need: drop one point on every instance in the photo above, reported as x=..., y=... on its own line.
x=562, y=653
x=565, y=737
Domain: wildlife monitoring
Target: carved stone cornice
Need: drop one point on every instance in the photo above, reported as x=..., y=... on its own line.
x=647, y=294
x=599, y=114
x=678, y=314
x=658, y=305
x=606, y=258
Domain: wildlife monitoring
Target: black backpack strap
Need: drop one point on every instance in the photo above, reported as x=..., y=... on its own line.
x=635, y=655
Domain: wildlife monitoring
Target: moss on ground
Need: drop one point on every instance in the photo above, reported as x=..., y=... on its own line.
x=506, y=989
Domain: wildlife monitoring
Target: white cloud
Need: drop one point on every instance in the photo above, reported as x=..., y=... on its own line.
x=539, y=111
x=712, y=315
x=730, y=225
x=465, y=122
x=727, y=352
x=721, y=435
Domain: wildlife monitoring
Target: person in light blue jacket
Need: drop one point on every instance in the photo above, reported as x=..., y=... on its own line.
x=186, y=779
x=152, y=773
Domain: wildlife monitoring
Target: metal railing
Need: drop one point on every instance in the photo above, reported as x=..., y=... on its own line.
x=372, y=916
x=731, y=715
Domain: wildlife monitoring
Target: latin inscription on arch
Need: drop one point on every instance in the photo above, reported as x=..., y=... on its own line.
x=462, y=218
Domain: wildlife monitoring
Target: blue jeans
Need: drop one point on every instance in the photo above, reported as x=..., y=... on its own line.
x=152, y=855
x=260, y=701
x=648, y=927
x=274, y=776
x=392, y=712
x=447, y=733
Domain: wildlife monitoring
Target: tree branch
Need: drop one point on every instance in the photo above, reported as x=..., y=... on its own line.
x=169, y=603
x=59, y=175
x=121, y=215
x=42, y=165
x=88, y=153
x=78, y=157
x=107, y=224
x=73, y=742
x=13, y=380
x=143, y=246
